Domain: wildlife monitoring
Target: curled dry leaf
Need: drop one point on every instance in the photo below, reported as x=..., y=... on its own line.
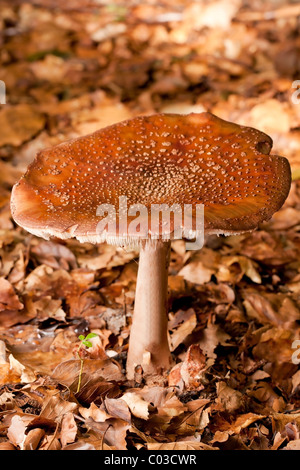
x=181, y=326
x=9, y=300
x=200, y=267
x=67, y=371
x=2, y=353
x=16, y=432
x=80, y=445
x=193, y=417
x=267, y=248
x=95, y=413
x=246, y=267
x=111, y=433
x=68, y=430
x=172, y=407
x=281, y=420
x=275, y=346
x=45, y=308
x=99, y=377
x=276, y=309
x=190, y=373
x=137, y=405
x=33, y=439
x=118, y=408
x=243, y=421
x=27, y=375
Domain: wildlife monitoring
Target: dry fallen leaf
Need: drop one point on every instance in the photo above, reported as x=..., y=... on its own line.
x=229, y=399
x=9, y=300
x=190, y=373
x=181, y=325
x=201, y=267
x=181, y=445
x=137, y=405
x=211, y=337
x=68, y=429
x=33, y=439
x=19, y=123
x=16, y=431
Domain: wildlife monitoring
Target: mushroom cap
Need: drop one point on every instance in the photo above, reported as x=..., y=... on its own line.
x=160, y=159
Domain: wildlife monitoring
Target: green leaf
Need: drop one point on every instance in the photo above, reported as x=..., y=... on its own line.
x=91, y=335
x=81, y=337
x=88, y=344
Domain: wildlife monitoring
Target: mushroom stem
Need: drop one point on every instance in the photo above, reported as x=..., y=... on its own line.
x=148, y=345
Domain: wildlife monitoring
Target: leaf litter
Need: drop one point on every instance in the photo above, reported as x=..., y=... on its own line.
x=234, y=306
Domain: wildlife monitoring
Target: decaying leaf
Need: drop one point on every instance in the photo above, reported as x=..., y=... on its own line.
x=178, y=445
x=137, y=405
x=9, y=300
x=19, y=123
x=211, y=337
x=68, y=429
x=190, y=373
x=181, y=325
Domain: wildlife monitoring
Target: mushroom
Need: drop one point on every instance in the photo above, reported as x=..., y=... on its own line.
x=190, y=160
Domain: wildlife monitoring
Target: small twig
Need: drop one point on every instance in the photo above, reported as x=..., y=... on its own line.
x=53, y=437
x=80, y=374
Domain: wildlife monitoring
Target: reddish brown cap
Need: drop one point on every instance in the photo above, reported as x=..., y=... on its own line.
x=160, y=159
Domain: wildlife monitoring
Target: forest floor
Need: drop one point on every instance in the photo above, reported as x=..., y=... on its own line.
x=71, y=68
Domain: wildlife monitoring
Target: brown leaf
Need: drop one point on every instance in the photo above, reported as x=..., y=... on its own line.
x=191, y=371
x=17, y=429
x=55, y=408
x=118, y=408
x=8, y=298
x=7, y=446
x=33, y=439
x=243, y=421
x=201, y=267
x=95, y=413
x=229, y=399
x=67, y=371
x=292, y=445
x=19, y=123
x=99, y=377
x=54, y=255
x=247, y=267
x=181, y=326
x=211, y=337
x=137, y=405
x=68, y=429
x=275, y=345
x=180, y=445
x=277, y=309
x=281, y=420
x=113, y=432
